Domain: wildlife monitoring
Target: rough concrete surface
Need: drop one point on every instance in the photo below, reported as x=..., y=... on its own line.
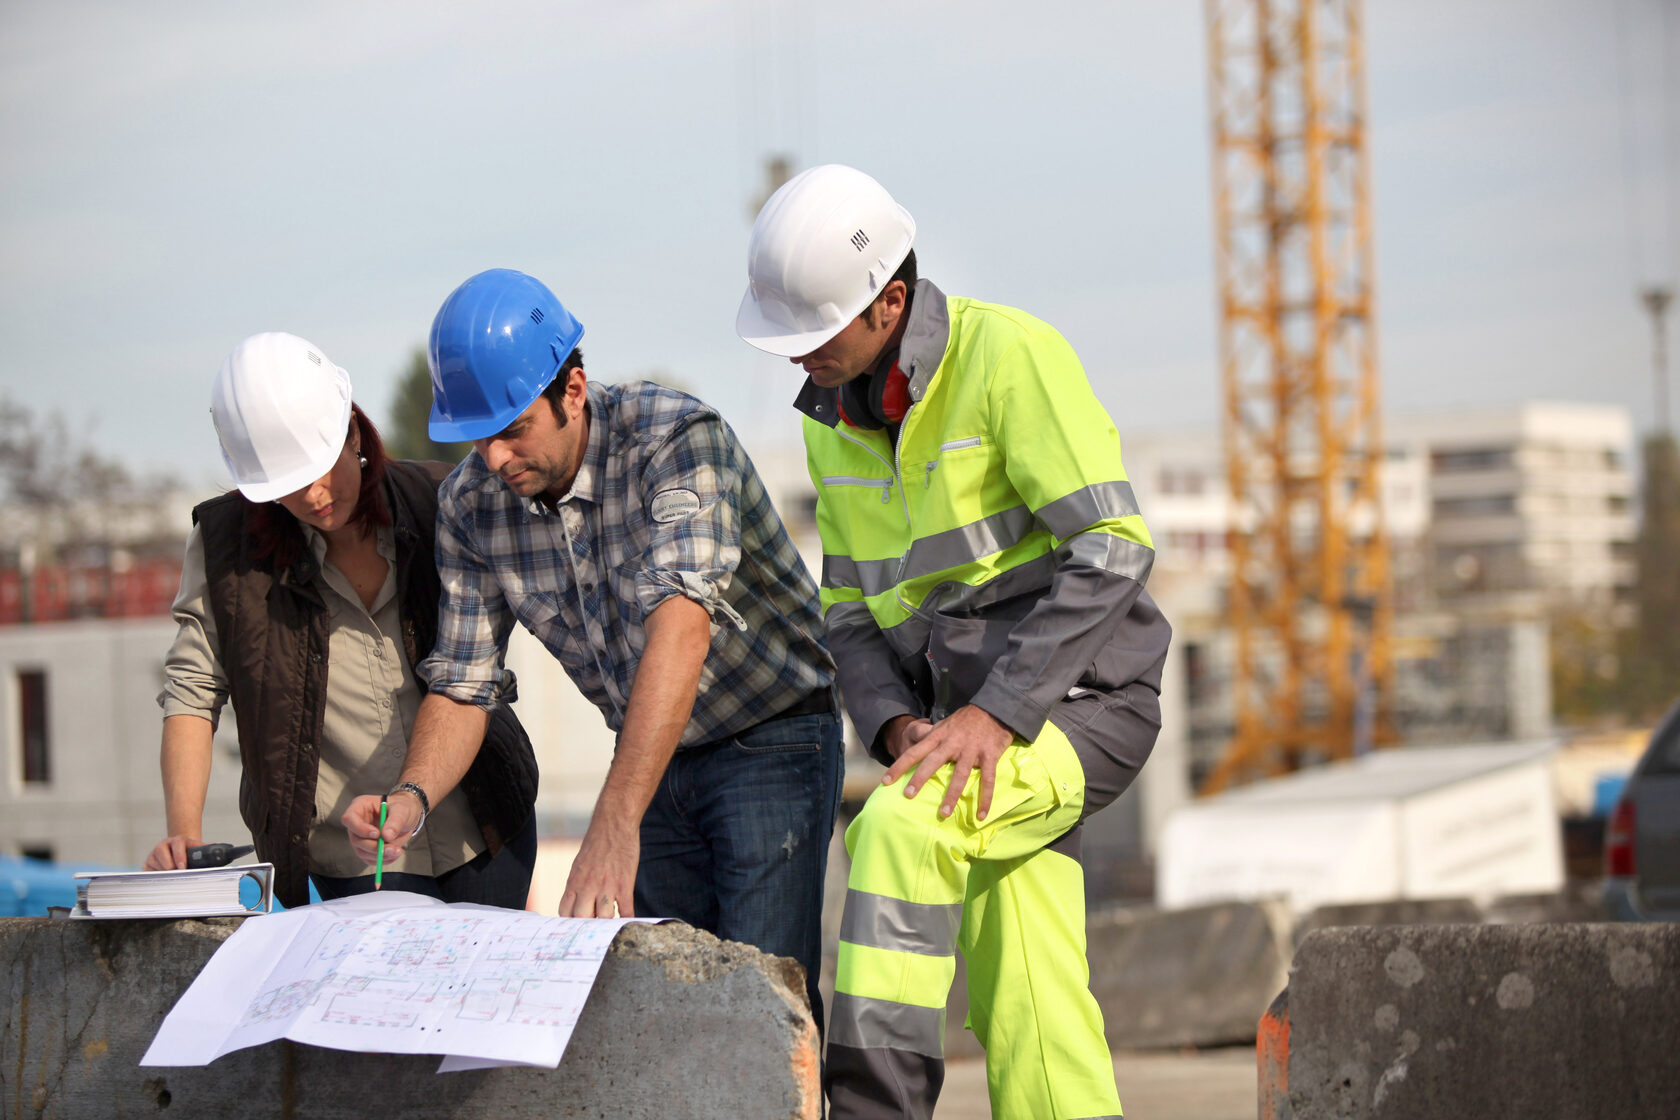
x=1171, y=978
x=1196, y=977
x=1486, y=1021
x=678, y=1024
x=1391, y=912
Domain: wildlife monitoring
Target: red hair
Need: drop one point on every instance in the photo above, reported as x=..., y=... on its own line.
x=276, y=533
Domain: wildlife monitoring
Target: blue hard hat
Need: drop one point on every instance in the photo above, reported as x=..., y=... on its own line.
x=497, y=343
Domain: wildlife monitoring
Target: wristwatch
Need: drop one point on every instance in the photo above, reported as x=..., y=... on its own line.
x=425, y=805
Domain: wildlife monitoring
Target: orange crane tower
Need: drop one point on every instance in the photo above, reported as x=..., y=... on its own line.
x=1309, y=602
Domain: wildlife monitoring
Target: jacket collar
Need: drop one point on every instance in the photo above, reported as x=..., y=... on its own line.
x=927, y=335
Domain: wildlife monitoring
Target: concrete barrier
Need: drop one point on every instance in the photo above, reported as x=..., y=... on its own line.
x=1577, y=902
x=1483, y=1021
x=1196, y=977
x=678, y=1024
x=1391, y=912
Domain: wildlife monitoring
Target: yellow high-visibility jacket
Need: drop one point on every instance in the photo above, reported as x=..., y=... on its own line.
x=993, y=553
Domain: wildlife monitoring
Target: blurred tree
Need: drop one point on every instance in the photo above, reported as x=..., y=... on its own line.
x=669, y=380
x=1654, y=671
x=407, y=438
x=1600, y=670
x=1590, y=659
x=58, y=492
x=42, y=464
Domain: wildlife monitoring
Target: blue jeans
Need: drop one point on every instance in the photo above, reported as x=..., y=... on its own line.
x=736, y=839
x=501, y=880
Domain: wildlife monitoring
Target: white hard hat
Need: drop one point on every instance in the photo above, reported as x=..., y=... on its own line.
x=282, y=413
x=822, y=249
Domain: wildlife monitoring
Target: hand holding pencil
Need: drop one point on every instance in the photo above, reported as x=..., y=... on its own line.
x=379, y=861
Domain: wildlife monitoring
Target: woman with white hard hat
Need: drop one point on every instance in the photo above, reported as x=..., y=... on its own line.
x=307, y=598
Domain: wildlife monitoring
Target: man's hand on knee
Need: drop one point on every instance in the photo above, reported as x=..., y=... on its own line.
x=968, y=738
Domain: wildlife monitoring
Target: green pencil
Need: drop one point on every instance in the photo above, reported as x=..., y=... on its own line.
x=379, y=864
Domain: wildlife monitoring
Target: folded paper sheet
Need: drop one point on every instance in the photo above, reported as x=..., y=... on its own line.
x=393, y=972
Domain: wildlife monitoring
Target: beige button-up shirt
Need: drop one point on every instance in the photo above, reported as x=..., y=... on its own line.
x=372, y=699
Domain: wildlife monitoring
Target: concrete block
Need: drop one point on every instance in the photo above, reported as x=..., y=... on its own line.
x=678, y=1024
x=1486, y=1021
x=1390, y=912
x=1580, y=900
x=1196, y=977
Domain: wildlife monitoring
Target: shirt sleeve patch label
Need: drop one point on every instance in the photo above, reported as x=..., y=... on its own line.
x=674, y=505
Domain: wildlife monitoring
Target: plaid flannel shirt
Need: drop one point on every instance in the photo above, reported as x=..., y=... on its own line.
x=666, y=502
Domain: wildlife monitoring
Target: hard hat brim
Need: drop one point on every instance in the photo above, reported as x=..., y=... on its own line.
x=288, y=483
x=466, y=431
x=759, y=331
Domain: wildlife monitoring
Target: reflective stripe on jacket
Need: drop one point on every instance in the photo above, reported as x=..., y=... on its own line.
x=995, y=554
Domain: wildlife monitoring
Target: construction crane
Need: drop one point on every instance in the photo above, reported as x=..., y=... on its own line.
x=1310, y=604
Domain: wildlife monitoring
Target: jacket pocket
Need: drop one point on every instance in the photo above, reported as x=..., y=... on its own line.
x=963, y=647
x=950, y=452
x=884, y=485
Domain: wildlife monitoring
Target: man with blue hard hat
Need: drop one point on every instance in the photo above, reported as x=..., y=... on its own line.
x=627, y=529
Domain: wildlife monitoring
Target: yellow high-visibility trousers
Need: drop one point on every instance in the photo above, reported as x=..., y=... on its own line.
x=922, y=886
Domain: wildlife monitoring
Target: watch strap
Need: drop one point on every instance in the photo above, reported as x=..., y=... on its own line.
x=425, y=805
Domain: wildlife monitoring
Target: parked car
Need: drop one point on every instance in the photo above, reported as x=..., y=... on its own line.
x=1642, y=840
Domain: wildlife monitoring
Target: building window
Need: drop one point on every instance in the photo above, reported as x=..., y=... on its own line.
x=1471, y=459
x=1485, y=505
x=1182, y=480
x=32, y=711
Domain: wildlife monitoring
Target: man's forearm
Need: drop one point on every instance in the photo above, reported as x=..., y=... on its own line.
x=661, y=701
x=185, y=761
x=446, y=738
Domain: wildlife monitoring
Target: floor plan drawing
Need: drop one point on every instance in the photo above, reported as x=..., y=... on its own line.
x=401, y=974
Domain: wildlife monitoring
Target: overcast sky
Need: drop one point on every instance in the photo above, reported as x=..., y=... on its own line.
x=176, y=176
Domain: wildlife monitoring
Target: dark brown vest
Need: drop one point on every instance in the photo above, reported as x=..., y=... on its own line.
x=272, y=632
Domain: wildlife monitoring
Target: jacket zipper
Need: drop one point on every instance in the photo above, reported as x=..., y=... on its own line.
x=857, y=480
x=897, y=465
x=948, y=445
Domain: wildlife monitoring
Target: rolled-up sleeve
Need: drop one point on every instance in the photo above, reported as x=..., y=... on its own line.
x=194, y=681
x=473, y=623
x=691, y=490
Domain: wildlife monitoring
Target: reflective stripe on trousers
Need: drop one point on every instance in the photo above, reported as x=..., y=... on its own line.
x=922, y=886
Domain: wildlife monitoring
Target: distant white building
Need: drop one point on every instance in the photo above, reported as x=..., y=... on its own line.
x=1496, y=517
x=81, y=734
x=1533, y=500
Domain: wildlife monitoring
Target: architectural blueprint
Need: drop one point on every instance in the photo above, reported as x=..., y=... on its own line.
x=396, y=973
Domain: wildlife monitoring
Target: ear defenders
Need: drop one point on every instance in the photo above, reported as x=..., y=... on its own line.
x=877, y=399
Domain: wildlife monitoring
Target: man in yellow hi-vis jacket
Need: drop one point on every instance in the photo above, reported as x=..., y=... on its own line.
x=983, y=571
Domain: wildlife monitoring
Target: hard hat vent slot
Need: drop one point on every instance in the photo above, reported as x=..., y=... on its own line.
x=859, y=240
x=314, y=357
x=536, y=315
